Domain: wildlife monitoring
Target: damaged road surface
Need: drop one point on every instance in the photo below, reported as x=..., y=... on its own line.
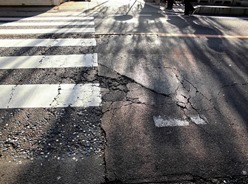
x=180, y=115
x=147, y=97
x=50, y=107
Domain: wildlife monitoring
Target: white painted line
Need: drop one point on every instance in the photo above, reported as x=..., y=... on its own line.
x=46, y=31
x=45, y=18
x=119, y=15
x=20, y=23
x=159, y=122
x=47, y=42
x=171, y=122
x=199, y=120
x=54, y=61
x=49, y=95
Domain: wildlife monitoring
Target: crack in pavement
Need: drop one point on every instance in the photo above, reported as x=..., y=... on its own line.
x=184, y=101
x=185, y=107
x=134, y=81
x=11, y=95
x=56, y=97
x=182, y=81
x=232, y=85
x=183, y=104
x=87, y=95
x=41, y=60
x=111, y=108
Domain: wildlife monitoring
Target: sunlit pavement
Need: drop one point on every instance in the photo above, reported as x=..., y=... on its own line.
x=50, y=99
x=174, y=99
x=179, y=115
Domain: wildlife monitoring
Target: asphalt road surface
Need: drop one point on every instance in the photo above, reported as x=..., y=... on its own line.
x=123, y=92
x=50, y=101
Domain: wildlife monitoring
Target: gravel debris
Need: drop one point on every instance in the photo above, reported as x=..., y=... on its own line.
x=29, y=134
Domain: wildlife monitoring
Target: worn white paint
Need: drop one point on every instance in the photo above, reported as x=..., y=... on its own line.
x=199, y=120
x=54, y=61
x=51, y=18
x=47, y=42
x=30, y=2
x=46, y=31
x=160, y=122
x=171, y=122
x=49, y=95
x=40, y=24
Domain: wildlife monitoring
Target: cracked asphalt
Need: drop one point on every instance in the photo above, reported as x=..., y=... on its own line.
x=176, y=84
x=174, y=107
x=180, y=115
x=170, y=79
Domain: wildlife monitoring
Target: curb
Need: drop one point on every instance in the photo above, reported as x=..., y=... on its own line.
x=216, y=10
x=221, y=10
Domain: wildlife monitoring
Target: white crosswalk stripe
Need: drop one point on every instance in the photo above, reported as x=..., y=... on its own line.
x=46, y=18
x=48, y=95
x=47, y=42
x=46, y=31
x=55, y=61
x=40, y=24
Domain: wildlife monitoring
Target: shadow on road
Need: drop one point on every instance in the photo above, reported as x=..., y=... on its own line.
x=178, y=78
x=194, y=74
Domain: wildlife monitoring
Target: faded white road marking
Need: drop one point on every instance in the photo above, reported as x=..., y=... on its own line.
x=20, y=23
x=199, y=120
x=52, y=18
x=45, y=31
x=49, y=95
x=47, y=42
x=54, y=61
x=168, y=122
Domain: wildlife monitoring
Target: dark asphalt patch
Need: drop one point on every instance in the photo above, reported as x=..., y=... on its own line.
x=48, y=76
x=30, y=51
x=50, y=35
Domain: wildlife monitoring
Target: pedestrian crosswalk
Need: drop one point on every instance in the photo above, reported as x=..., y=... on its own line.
x=47, y=95
x=54, y=18
x=42, y=24
x=54, y=61
x=46, y=31
x=84, y=42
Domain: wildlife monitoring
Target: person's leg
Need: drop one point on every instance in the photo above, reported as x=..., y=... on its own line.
x=189, y=9
x=169, y=4
x=186, y=7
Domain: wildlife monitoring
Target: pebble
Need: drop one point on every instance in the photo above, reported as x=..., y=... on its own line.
x=32, y=138
x=244, y=172
x=75, y=159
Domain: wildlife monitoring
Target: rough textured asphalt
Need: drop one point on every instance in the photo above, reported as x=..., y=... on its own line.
x=141, y=76
x=198, y=76
x=136, y=150
x=50, y=145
